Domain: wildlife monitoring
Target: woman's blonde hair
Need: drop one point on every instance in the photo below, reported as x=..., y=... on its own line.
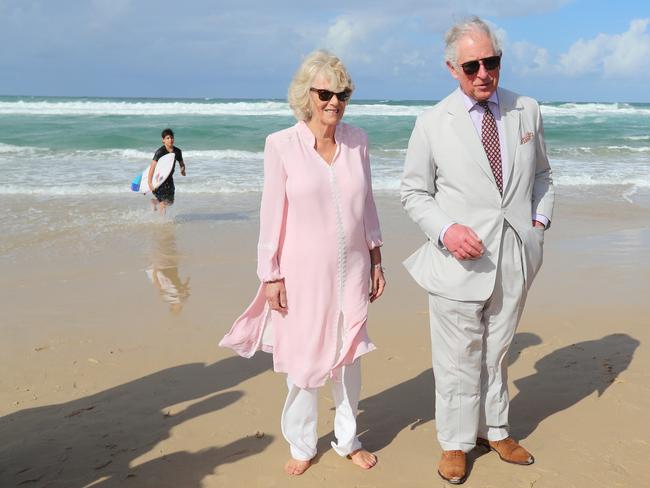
x=317, y=62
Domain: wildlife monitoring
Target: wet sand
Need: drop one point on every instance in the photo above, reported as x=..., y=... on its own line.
x=113, y=377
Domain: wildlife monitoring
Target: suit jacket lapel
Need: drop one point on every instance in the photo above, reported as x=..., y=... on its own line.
x=510, y=115
x=467, y=133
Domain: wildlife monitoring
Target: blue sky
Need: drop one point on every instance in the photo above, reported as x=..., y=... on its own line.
x=565, y=50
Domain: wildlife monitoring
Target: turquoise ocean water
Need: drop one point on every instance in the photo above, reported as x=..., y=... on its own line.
x=69, y=152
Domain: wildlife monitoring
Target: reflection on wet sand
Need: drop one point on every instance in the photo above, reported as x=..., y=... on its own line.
x=163, y=272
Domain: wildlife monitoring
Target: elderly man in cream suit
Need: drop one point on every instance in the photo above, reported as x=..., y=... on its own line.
x=478, y=183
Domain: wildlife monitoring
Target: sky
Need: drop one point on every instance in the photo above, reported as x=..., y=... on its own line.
x=553, y=50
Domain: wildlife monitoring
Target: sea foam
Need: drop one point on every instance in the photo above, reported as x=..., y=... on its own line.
x=271, y=108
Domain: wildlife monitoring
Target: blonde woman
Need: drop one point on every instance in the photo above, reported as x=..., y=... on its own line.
x=319, y=261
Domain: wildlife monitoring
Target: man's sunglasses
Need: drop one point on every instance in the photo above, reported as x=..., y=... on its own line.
x=472, y=67
x=326, y=95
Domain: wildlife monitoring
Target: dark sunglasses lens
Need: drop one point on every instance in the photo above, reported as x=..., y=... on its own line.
x=492, y=63
x=324, y=95
x=343, y=96
x=471, y=67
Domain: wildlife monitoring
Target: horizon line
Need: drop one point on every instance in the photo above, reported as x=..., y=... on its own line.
x=429, y=100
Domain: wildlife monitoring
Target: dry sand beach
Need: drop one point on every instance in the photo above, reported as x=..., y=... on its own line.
x=113, y=378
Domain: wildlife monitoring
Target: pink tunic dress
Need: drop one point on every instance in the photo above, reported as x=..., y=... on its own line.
x=317, y=224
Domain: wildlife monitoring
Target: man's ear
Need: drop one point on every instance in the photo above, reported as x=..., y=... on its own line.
x=452, y=70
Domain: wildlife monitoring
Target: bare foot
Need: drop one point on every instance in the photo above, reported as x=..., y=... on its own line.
x=296, y=467
x=363, y=458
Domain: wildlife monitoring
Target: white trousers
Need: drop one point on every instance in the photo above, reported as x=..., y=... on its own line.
x=470, y=342
x=300, y=414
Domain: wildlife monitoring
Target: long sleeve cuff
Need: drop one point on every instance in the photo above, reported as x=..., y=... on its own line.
x=542, y=219
x=374, y=242
x=273, y=276
x=268, y=268
x=441, y=238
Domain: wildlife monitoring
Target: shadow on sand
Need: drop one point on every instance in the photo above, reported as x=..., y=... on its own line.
x=589, y=366
x=93, y=440
x=567, y=376
x=96, y=437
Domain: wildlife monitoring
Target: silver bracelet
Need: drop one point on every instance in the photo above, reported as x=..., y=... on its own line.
x=379, y=266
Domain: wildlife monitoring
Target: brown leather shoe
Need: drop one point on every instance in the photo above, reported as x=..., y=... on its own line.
x=452, y=467
x=508, y=450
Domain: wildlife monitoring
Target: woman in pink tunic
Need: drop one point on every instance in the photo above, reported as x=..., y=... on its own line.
x=318, y=257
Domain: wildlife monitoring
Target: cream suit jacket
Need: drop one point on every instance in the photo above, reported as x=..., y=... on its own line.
x=447, y=179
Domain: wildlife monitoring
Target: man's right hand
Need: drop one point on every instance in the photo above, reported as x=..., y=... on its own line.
x=276, y=295
x=463, y=242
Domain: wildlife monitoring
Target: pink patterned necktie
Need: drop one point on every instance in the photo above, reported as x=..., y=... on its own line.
x=490, y=140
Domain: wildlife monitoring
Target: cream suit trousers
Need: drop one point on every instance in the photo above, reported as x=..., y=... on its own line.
x=300, y=414
x=470, y=342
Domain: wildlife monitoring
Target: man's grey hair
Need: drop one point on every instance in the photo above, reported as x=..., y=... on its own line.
x=460, y=30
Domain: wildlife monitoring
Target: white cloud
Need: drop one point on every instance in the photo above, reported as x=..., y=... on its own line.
x=344, y=36
x=584, y=57
x=375, y=42
x=632, y=51
x=529, y=58
x=618, y=55
x=614, y=56
x=522, y=57
x=414, y=59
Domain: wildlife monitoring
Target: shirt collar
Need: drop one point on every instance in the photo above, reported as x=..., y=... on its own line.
x=305, y=134
x=308, y=136
x=470, y=103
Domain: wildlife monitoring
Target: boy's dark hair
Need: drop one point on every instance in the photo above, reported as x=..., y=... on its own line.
x=167, y=132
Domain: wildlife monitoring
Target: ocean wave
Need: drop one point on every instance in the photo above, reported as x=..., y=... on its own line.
x=389, y=181
x=63, y=190
x=83, y=107
x=125, y=154
x=203, y=155
x=593, y=109
x=628, y=194
x=271, y=108
x=226, y=154
x=10, y=149
x=602, y=151
x=257, y=108
x=637, y=138
x=600, y=180
x=642, y=149
x=124, y=189
x=381, y=110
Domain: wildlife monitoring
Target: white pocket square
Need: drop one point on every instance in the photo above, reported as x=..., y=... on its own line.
x=527, y=137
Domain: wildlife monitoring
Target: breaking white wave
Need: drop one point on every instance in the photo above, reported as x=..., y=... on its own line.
x=270, y=108
x=642, y=149
x=593, y=109
x=383, y=180
x=600, y=180
x=83, y=107
x=257, y=108
x=122, y=154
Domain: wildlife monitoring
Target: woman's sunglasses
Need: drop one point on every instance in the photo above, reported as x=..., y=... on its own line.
x=472, y=67
x=326, y=95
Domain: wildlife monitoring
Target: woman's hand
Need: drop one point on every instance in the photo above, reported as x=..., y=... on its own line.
x=378, y=282
x=276, y=295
